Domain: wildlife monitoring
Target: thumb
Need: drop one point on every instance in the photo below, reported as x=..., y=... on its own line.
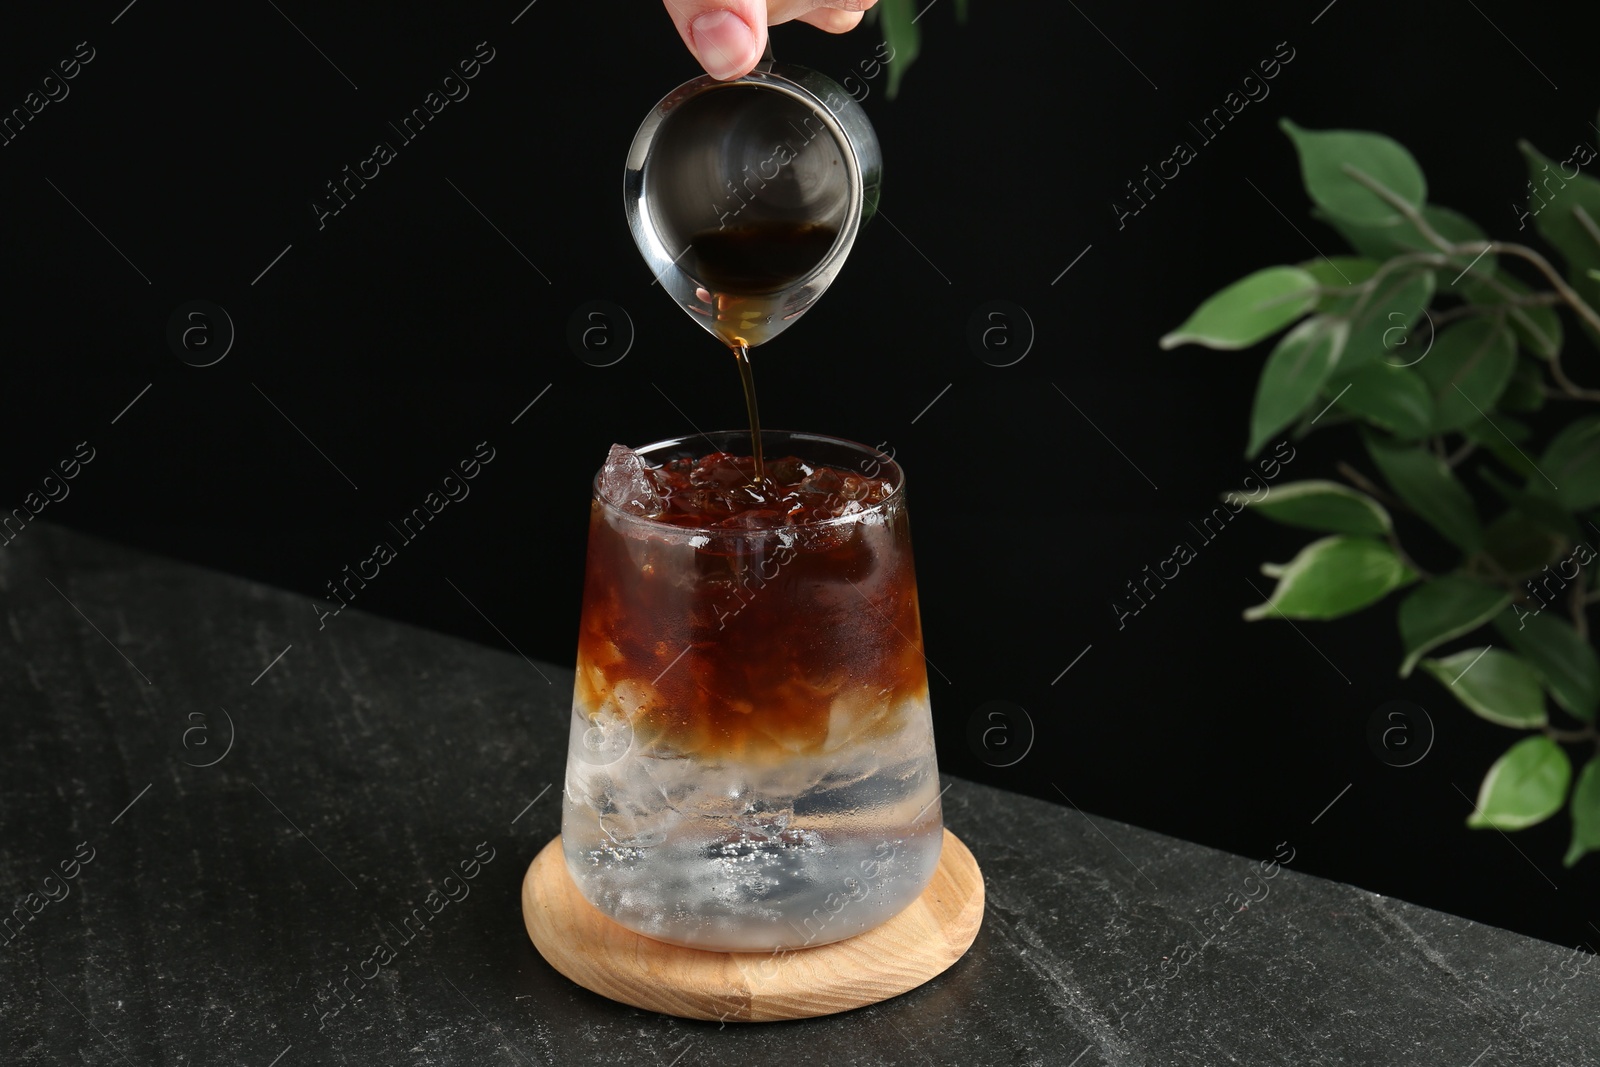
x=726, y=36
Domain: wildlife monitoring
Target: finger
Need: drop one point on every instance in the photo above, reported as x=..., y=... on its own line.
x=832, y=20
x=726, y=36
x=784, y=10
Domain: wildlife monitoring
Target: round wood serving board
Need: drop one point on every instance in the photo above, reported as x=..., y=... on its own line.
x=578, y=940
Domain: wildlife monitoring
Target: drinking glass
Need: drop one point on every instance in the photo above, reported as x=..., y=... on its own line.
x=751, y=761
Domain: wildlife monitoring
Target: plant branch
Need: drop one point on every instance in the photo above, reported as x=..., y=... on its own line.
x=1568, y=294
x=1394, y=263
x=1465, y=311
x=1449, y=248
x=1586, y=222
x=1405, y=557
x=1469, y=310
x=1500, y=576
x=1511, y=299
x=1587, y=733
x=1402, y=205
x=1543, y=298
x=1580, y=619
x=1461, y=453
x=1577, y=392
x=1365, y=484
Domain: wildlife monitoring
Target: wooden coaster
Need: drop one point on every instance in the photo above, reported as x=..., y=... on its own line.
x=578, y=940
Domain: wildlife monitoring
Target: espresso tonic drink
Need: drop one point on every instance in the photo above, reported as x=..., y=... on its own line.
x=751, y=764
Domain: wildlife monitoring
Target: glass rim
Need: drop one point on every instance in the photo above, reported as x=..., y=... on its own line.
x=894, y=473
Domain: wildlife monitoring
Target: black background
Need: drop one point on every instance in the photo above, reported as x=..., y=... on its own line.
x=408, y=329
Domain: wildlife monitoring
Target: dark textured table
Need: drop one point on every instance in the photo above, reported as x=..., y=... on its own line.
x=214, y=811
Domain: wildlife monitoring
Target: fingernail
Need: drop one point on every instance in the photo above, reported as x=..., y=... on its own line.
x=724, y=42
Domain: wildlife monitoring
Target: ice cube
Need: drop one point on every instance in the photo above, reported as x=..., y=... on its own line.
x=760, y=519
x=823, y=480
x=632, y=828
x=765, y=817
x=787, y=470
x=634, y=697
x=722, y=470
x=626, y=482
x=855, y=714
x=602, y=737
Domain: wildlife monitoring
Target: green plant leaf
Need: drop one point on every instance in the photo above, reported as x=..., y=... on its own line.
x=1299, y=364
x=1381, y=325
x=1339, y=272
x=1525, y=786
x=1524, y=392
x=1393, y=398
x=1327, y=158
x=1323, y=505
x=1520, y=545
x=1492, y=684
x=1565, y=661
x=1427, y=484
x=1541, y=508
x=1499, y=436
x=1549, y=513
x=1466, y=371
x=1334, y=272
x=1585, y=813
x=1442, y=610
x=900, y=33
x=1569, y=218
x=1332, y=577
x=1572, y=462
x=1250, y=309
x=1538, y=328
x=1501, y=427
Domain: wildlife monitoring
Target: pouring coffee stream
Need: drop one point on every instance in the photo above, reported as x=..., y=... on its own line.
x=742, y=264
x=745, y=198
